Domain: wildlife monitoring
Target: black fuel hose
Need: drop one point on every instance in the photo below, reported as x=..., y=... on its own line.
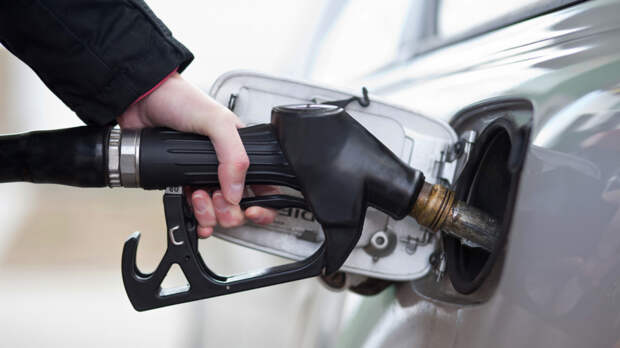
x=160, y=158
x=72, y=156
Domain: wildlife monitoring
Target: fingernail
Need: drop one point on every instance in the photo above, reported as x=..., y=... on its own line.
x=251, y=213
x=198, y=202
x=236, y=192
x=200, y=206
x=219, y=202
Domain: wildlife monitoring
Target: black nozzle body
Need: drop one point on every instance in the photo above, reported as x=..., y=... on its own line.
x=342, y=169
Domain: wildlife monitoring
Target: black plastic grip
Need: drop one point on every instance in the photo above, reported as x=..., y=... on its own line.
x=171, y=158
x=71, y=156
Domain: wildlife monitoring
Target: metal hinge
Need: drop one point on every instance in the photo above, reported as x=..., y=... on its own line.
x=453, y=159
x=437, y=260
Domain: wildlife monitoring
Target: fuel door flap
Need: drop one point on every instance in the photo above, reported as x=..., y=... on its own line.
x=388, y=249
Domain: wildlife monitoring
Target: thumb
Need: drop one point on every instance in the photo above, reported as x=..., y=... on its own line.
x=232, y=158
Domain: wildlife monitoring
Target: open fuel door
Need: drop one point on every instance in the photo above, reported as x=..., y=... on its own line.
x=388, y=249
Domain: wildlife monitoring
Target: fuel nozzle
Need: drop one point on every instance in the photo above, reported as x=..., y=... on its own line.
x=437, y=209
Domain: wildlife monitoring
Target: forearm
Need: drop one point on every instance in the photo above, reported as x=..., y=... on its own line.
x=97, y=56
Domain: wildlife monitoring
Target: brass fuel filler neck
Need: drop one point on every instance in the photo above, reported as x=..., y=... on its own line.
x=437, y=209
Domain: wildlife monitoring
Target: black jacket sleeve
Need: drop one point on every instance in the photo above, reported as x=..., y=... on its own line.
x=97, y=56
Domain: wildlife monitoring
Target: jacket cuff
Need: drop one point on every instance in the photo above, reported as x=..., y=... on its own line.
x=155, y=87
x=128, y=85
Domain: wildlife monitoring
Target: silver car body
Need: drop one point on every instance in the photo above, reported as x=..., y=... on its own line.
x=559, y=285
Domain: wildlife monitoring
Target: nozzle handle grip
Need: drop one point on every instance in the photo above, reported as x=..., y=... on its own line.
x=171, y=158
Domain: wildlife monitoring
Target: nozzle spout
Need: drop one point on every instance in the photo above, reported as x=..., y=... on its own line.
x=437, y=209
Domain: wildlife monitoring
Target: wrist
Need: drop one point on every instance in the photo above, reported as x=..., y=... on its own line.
x=147, y=93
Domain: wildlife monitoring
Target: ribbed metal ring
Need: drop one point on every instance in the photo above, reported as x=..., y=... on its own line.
x=114, y=143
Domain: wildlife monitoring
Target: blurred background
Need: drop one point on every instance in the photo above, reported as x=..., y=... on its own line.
x=60, y=247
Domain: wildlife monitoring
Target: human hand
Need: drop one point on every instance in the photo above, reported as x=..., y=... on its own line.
x=179, y=105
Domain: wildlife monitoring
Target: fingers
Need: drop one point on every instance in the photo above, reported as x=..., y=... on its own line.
x=212, y=210
x=258, y=215
x=228, y=215
x=204, y=213
x=261, y=216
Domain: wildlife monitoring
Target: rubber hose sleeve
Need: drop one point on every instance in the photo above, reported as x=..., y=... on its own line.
x=71, y=156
